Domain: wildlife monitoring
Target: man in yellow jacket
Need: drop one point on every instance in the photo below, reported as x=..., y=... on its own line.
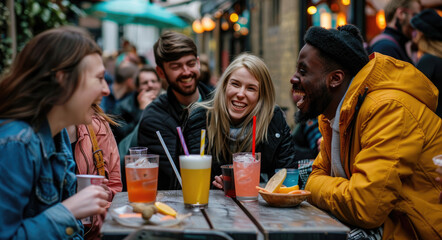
x=380, y=133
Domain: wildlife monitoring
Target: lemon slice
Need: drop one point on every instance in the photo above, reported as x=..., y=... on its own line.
x=276, y=181
x=288, y=189
x=165, y=209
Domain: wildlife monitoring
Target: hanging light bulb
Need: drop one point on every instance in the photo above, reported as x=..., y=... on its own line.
x=207, y=23
x=346, y=2
x=312, y=10
x=197, y=27
x=234, y=17
x=224, y=25
x=341, y=19
x=380, y=19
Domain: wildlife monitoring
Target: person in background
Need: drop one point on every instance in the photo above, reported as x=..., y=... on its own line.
x=178, y=63
x=148, y=86
x=380, y=133
x=245, y=90
x=53, y=83
x=87, y=162
x=122, y=87
x=393, y=40
x=428, y=25
x=205, y=74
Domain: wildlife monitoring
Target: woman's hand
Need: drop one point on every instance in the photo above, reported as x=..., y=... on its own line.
x=90, y=201
x=107, y=189
x=218, y=182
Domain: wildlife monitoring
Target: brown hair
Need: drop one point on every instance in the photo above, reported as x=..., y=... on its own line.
x=30, y=89
x=391, y=7
x=172, y=46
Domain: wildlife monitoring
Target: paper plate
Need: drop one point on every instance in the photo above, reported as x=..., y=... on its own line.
x=125, y=216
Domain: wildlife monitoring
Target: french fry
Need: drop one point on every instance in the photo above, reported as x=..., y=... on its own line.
x=296, y=192
x=262, y=189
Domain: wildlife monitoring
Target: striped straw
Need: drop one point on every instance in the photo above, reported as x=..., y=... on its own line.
x=203, y=139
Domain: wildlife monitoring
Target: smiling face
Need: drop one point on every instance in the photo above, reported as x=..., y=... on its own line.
x=182, y=74
x=91, y=89
x=309, y=82
x=242, y=94
x=148, y=81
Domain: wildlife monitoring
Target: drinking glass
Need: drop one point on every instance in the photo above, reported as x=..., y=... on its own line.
x=228, y=180
x=137, y=150
x=292, y=177
x=142, y=177
x=246, y=170
x=195, y=175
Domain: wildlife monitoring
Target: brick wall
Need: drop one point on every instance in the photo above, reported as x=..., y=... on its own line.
x=278, y=45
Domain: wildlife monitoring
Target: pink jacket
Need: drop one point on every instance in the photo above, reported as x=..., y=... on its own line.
x=85, y=163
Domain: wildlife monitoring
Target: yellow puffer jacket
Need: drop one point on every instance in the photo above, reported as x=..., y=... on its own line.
x=387, y=152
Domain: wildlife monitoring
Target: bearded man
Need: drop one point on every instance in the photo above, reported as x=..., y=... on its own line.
x=178, y=63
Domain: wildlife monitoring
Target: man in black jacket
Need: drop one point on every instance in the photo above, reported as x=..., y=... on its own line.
x=177, y=63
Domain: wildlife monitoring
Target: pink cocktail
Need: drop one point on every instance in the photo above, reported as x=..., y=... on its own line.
x=246, y=170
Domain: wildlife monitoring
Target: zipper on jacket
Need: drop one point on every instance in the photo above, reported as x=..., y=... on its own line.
x=361, y=99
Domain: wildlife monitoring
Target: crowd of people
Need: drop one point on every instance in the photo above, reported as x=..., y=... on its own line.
x=368, y=125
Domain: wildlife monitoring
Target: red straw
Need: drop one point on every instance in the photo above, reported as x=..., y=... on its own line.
x=254, y=136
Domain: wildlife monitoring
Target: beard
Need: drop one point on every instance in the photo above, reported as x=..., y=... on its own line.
x=183, y=91
x=318, y=102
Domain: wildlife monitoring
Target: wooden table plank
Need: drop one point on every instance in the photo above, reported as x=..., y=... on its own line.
x=224, y=214
x=113, y=230
x=304, y=221
x=228, y=217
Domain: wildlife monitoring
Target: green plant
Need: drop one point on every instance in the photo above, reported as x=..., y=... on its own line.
x=33, y=17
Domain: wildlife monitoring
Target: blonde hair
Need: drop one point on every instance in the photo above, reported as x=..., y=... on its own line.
x=218, y=119
x=430, y=46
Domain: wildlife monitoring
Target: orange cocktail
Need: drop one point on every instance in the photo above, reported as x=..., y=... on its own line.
x=142, y=177
x=246, y=170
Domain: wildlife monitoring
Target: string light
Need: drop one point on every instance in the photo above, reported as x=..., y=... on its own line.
x=234, y=17
x=312, y=10
x=197, y=27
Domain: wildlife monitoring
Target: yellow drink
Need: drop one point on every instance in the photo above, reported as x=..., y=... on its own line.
x=195, y=174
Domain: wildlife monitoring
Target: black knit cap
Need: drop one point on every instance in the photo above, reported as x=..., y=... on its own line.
x=429, y=23
x=344, y=45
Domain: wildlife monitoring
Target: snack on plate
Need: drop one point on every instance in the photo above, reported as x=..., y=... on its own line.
x=276, y=181
x=146, y=210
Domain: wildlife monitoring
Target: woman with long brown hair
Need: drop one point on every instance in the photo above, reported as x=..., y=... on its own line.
x=53, y=83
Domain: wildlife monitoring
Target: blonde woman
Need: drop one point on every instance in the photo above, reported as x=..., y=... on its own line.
x=244, y=90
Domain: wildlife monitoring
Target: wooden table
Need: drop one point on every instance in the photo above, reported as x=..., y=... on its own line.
x=240, y=220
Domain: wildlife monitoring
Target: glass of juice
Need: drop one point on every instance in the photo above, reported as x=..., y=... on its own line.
x=142, y=177
x=246, y=171
x=195, y=174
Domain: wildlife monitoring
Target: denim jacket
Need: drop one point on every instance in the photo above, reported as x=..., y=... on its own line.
x=37, y=172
